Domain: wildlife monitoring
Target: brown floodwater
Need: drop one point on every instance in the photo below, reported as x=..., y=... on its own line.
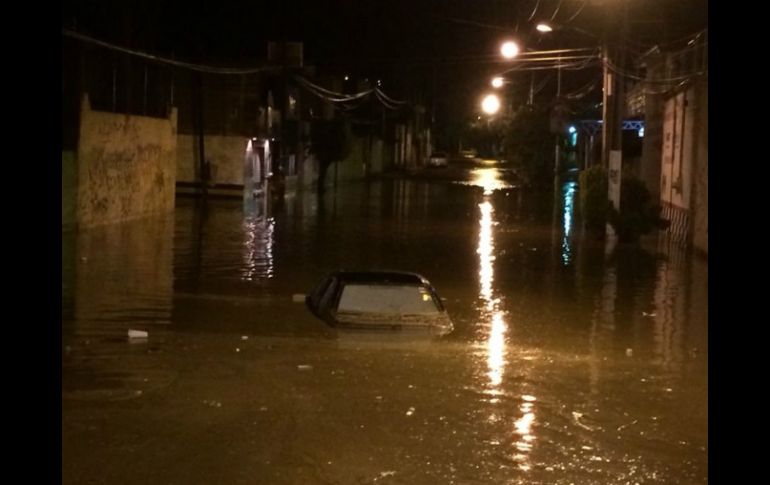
x=572, y=361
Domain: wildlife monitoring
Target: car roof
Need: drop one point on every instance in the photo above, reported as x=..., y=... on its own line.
x=376, y=276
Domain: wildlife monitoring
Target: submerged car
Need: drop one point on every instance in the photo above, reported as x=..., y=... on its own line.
x=379, y=300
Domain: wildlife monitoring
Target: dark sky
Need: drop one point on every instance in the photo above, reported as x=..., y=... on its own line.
x=446, y=45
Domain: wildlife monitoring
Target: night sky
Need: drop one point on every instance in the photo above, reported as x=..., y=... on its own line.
x=446, y=47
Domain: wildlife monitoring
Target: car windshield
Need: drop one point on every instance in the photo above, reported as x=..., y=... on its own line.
x=398, y=299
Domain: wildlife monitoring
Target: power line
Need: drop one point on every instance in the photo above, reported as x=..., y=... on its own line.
x=620, y=71
x=342, y=98
x=472, y=22
x=534, y=10
x=582, y=6
x=558, y=6
x=173, y=62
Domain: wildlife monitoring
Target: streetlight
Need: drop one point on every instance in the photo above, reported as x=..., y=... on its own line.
x=509, y=49
x=612, y=111
x=611, y=108
x=490, y=104
x=497, y=82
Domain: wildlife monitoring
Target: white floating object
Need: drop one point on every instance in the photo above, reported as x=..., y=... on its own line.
x=410, y=412
x=137, y=334
x=298, y=298
x=645, y=314
x=304, y=367
x=244, y=337
x=629, y=352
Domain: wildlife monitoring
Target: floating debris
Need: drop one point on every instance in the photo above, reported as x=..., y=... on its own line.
x=137, y=334
x=388, y=473
x=576, y=417
x=621, y=427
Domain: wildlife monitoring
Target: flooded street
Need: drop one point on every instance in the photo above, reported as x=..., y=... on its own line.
x=571, y=362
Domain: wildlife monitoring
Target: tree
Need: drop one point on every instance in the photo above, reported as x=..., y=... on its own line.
x=330, y=141
x=529, y=144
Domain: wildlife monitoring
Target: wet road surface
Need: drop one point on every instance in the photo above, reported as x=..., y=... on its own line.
x=571, y=361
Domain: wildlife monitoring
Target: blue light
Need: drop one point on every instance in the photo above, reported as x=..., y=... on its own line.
x=571, y=129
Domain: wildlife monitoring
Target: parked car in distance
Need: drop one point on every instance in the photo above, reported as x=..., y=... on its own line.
x=438, y=159
x=379, y=300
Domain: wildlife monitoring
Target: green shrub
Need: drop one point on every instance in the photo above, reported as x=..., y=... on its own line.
x=638, y=213
x=594, y=206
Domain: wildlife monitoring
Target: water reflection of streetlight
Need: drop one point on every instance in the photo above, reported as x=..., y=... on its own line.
x=258, y=248
x=569, y=202
x=524, y=430
x=489, y=180
x=497, y=82
x=491, y=311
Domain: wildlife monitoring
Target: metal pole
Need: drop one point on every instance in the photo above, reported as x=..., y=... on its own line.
x=531, y=88
x=606, y=111
x=172, y=82
x=144, y=98
x=114, y=88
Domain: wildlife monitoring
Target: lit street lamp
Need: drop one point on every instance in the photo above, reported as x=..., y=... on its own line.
x=611, y=106
x=490, y=104
x=509, y=49
x=497, y=82
x=612, y=109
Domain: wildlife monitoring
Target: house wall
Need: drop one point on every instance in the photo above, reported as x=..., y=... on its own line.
x=126, y=166
x=226, y=154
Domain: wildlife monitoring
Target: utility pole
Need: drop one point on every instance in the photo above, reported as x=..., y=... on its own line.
x=531, y=88
x=557, y=151
x=613, y=110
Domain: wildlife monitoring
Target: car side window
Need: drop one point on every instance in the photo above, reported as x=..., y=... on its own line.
x=328, y=293
x=318, y=291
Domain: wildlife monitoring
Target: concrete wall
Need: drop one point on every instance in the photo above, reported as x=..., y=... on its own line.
x=377, y=161
x=652, y=146
x=684, y=166
x=126, y=166
x=69, y=188
x=700, y=192
x=352, y=168
x=226, y=154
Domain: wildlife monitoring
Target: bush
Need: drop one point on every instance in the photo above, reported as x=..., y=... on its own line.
x=594, y=206
x=638, y=214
